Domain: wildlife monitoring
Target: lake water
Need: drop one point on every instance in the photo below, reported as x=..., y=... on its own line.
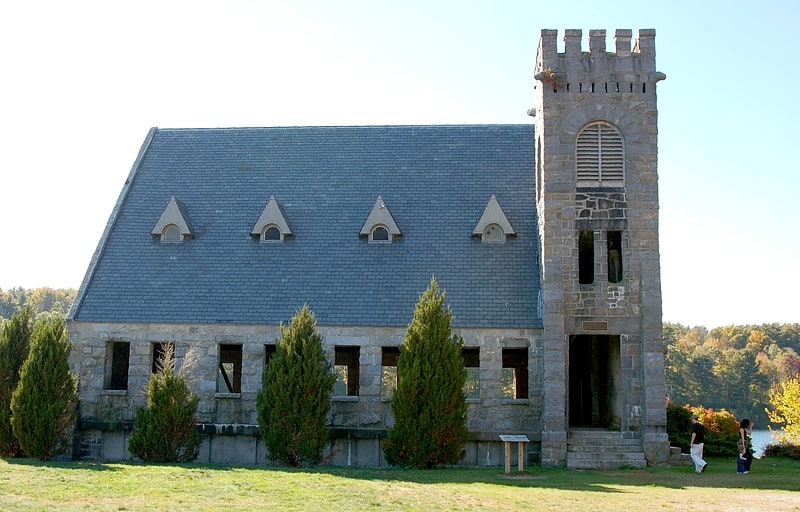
x=761, y=439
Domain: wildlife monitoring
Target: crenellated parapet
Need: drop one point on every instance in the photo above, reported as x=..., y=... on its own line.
x=625, y=70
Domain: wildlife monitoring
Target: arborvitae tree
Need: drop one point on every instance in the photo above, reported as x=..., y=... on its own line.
x=15, y=339
x=166, y=430
x=295, y=394
x=44, y=405
x=429, y=406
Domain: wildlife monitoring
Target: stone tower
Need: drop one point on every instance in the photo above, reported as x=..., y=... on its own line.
x=597, y=194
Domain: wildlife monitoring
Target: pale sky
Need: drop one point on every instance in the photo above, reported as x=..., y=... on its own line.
x=82, y=82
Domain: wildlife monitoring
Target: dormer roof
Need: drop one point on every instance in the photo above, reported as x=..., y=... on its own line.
x=493, y=214
x=271, y=215
x=380, y=216
x=174, y=213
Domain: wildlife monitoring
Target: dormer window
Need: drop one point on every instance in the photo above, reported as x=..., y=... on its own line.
x=172, y=226
x=380, y=225
x=379, y=234
x=493, y=233
x=271, y=234
x=271, y=226
x=171, y=233
x=493, y=225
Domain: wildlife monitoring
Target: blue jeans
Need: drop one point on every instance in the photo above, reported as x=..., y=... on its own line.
x=743, y=465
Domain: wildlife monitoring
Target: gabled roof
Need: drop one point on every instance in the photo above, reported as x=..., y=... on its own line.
x=436, y=179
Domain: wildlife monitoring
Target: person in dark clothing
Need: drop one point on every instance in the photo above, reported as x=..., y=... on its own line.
x=696, y=444
x=745, y=458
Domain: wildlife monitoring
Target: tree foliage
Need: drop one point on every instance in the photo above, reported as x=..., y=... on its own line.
x=166, y=429
x=721, y=428
x=39, y=300
x=429, y=405
x=44, y=404
x=15, y=337
x=785, y=411
x=731, y=367
x=294, y=399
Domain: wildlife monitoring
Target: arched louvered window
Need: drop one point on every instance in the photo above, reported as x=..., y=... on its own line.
x=600, y=156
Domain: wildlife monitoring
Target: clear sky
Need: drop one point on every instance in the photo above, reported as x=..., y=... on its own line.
x=82, y=82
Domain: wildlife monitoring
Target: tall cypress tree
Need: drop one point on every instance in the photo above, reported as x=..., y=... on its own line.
x=44, y=405
x=15, y=339
x=294, y=399
x=429, y=406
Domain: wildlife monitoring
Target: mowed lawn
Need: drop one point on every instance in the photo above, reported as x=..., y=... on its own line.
x=27, y=484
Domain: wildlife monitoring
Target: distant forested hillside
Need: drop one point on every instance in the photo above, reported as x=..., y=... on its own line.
x=40, y=300
x=730, y=367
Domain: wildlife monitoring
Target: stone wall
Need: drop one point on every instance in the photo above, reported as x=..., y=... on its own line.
x=229, y=420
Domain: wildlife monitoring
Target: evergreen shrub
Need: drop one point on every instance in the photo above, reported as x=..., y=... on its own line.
x=429, y=405
x=44, y=404
x=294, y=399
x=15, y=338
x=166, y=429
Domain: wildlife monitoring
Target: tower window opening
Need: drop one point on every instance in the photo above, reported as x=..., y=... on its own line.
x=586, y=257
x=614, y=243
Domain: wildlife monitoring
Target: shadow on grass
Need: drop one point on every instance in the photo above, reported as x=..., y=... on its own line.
x=69, y=465
x=773, y=473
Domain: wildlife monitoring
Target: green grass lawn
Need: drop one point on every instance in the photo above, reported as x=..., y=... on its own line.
x=26, y=484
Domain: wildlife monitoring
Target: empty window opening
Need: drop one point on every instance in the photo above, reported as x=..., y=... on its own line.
x=117, y=362
x=389, y=356
x=229, y=378
x=269, y=351
x=379, y=234
x=514, y=379
x=272, y=234
x=345, y=365
x=472, y=363
x=586, y=257
x=614, y=243
x=163, y=357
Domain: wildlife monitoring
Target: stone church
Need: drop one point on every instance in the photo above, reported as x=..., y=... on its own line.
x=544, y=237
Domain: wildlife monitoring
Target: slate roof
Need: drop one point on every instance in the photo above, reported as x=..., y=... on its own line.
x=436, y=181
